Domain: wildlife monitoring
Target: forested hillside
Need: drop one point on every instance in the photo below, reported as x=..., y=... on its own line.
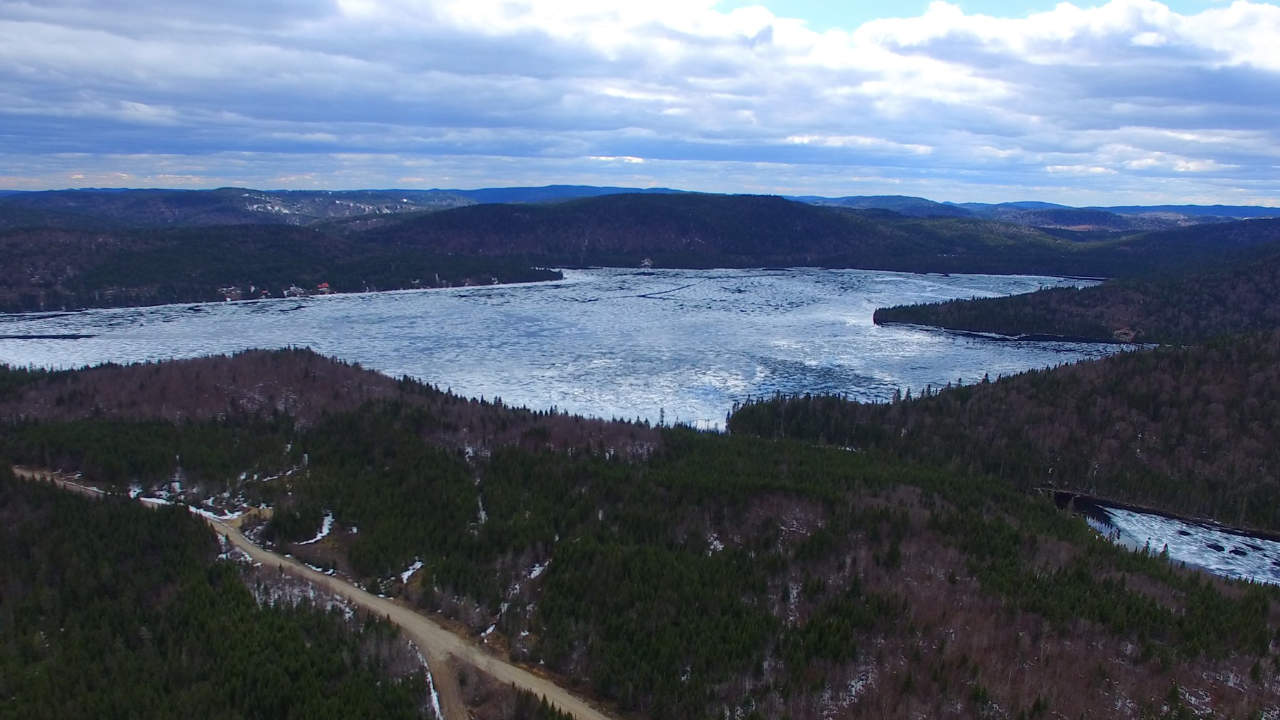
x=52, y=269
x=69, y=260
x=205, y=208
x=693, y=230
x=674, y=573
x=1187, y=430
x=1235, y=293
x=108, y=609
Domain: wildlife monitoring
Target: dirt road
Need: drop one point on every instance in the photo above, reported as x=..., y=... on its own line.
x=436, y=643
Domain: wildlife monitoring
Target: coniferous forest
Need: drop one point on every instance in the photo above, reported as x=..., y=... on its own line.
x=823, y=558
x=211, y=213
x=108, y=609
x=678, y=574
x=1183, y=304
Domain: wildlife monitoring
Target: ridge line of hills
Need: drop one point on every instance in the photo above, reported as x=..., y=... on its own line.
x=157, y=207
x=104, y=262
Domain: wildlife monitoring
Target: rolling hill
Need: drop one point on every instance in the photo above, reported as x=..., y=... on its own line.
x=1236, y=291
x=671, y=573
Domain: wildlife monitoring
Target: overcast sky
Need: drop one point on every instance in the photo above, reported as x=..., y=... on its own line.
x=1129, y=102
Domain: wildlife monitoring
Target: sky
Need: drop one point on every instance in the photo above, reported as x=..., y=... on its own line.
x=1128, y=102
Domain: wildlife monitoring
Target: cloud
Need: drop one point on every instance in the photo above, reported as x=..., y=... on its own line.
x=1101, y=104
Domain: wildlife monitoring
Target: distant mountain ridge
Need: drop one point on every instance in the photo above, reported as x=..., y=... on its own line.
x=137, y=208
x=224, y=206
x=695, y=230
x=110, y=263
x=551, y=193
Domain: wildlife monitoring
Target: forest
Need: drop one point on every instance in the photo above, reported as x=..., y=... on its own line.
x=697, y=230
x=64, y=251
x=679, y=574
x=1236, y=293
x=108, y=609
x=53, y=269
x=1187, y=430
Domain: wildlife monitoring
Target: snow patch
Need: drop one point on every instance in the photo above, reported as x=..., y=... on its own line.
x=325, y=526
x=320, y=570
x=431, y=683
x=538, y=570
x=408, y=573
x=713, y=544
x=154, y=501
x=213, y=515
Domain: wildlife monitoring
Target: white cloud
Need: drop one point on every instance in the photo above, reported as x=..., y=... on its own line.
x=1099, y=100
x=1079, y=170
x=629, y=159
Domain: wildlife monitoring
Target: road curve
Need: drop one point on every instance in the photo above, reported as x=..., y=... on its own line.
x=434, y=640
x=437, y=643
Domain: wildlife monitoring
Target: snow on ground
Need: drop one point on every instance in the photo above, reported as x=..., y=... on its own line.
x=835, y=703
x=285, y=591
x=154, y=501
x=325, y=526
x=431, y=683
x=537, y=570
x=713, y=544
x=213, y=515
x=1213, y=548
x=320, y=569
x=408, y=573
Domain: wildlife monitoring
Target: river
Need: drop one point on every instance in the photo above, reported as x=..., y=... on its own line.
x=1216, y=548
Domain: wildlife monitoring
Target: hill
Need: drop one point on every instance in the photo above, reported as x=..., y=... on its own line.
x=548, y=193
x=70, y=259
x=124, y=207
x=1187, y=430
x=1238, y=212
x=199, y=208
x=57, y=269
x=1237, y=292
x=1101, y=219
x=770, y=578
x=108, y=609
x=901, y=204
x=693, y=230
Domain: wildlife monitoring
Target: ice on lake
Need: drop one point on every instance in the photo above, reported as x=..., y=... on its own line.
x=1214, y=548
x=680, y=344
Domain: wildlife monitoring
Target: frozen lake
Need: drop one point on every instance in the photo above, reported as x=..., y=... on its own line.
x=684, y=344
